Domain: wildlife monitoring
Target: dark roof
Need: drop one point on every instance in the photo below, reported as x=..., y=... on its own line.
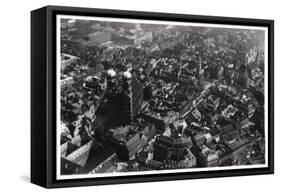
x=214, y=131
x=227, y=129
x=97, y=159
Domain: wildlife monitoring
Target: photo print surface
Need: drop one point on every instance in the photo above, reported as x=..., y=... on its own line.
x=138, y=97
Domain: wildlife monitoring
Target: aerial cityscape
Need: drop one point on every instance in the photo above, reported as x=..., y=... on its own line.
x=143, y=97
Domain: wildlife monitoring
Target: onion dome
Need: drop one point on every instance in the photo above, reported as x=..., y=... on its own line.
x=111, y=73
x=127, y=75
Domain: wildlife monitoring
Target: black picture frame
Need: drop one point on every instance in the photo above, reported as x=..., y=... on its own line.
x=43, y=95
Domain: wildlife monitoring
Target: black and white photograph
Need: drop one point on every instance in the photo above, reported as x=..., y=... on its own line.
x=140, y=97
